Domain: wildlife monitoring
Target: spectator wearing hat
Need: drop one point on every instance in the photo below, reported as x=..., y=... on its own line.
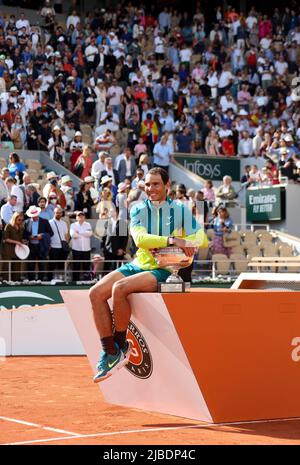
x=127, y=165
x=84, y=200
x=106, y=181
x=81, y=233
x=121, y=200
x=52, y=186
x=110, y=171
x=12, y=236
x=67, y=189
x=57, y=146
x=38, y=233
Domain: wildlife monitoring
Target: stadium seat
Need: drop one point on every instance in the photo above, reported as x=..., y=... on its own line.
x=253, y=250
x=263, y=235
x=285, y=250
x=240, y=263
x=222, y=263
x=270, y=250
x=33, y=164
x=210, y=234
x=249, y=237
x=3, y=162
x=238, y=249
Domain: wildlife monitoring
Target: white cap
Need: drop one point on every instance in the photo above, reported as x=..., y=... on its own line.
x=78, y=133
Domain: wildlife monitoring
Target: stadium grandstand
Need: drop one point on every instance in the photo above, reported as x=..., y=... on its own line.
x=89, y=102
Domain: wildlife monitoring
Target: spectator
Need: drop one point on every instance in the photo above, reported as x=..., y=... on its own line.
x=115, y=239
x=12, y=236
x=83, y=200
x=110, y=171
x=59, y=240
x=84, y=163
x=222, y=224
x=245, y=147
x=38, y=233
x=8, y=209
x=127, y=165
x=226, y=193
x=76, y=148
x=163, y=153
x=16, y=167
x=81, y=233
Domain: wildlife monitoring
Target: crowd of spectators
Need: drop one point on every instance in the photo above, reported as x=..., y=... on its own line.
x=111, y=94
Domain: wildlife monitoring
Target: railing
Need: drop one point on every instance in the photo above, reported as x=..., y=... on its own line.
x=203, y=270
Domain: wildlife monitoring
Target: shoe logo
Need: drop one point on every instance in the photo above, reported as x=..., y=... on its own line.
x=140, y=361
x=110, y=365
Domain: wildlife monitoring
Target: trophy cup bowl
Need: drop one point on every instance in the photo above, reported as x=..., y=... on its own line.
x=173, y=258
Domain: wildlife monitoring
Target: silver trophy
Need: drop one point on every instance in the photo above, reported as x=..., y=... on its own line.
x=172, y=258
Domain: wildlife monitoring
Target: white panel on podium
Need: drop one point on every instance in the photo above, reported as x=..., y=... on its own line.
x=5, y=333
x=158, y=377
x=44, y=331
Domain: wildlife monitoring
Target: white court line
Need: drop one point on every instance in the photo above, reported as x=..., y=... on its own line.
x=35, y=425
x=151, y=430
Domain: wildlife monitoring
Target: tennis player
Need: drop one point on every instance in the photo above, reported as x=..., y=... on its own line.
x=155, y=223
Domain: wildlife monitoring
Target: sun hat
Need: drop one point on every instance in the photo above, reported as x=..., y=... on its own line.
x=65, y=179
x=288, y=138
x=33, y=211
x=105, y=179
x=122, y=186
x=51, y=175
x=22, y=251
x=88, y=179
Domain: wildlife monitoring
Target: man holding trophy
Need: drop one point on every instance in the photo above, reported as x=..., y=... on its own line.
x=167, y=236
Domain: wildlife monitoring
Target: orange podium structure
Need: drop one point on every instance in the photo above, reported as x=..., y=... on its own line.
x=216, y=355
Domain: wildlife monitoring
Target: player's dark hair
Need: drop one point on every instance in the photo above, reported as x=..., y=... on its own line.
x=163, y=174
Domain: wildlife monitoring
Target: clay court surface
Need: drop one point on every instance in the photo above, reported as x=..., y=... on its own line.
x=51, y=400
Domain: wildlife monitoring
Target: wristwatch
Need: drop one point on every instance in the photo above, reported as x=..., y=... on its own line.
x=171, y=240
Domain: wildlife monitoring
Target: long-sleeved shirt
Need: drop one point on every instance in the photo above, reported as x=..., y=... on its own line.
x=151, y=225
x=6, y=212
x=81, y=236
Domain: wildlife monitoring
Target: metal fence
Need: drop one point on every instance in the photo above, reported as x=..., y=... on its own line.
x=16, y=271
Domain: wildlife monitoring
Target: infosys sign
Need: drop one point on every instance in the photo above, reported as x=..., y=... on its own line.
x=265, y=204
x=213, y=168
